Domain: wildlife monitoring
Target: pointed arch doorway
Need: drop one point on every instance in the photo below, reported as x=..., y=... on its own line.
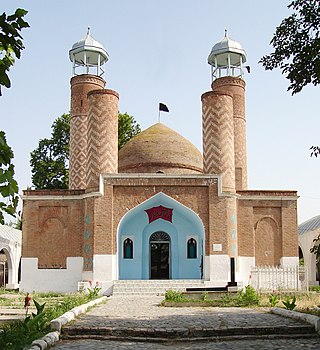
x=160, y=255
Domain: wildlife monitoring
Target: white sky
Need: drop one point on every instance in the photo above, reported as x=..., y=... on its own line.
x=158, y=52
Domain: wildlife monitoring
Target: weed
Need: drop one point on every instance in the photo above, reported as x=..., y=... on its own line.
x=17, y=335
x=290, y=303
x=228, y=300
x=93, y=293
x=172, y=295
x=204, y=296
x=274, y=299
x=315, y=289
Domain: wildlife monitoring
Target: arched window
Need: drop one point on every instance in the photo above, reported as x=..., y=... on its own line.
x=159, y=236
x=128, y=249
x=192, y=249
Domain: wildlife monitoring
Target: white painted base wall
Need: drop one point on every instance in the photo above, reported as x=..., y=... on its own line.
x=216, y=273
x=217, y=269
x=243, y=274
x=50, y=280
x=289, y=261
x=105, y=267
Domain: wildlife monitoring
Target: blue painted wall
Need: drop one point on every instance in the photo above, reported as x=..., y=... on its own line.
x=135, y=225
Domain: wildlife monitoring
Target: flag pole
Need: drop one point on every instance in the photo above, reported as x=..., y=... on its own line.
x=159, y=117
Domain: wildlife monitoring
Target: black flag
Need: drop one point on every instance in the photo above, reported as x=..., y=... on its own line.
x=163, y=107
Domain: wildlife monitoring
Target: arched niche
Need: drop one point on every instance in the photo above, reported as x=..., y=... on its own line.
x=268, y=243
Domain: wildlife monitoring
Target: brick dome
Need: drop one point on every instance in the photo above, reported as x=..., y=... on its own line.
x=159, y=149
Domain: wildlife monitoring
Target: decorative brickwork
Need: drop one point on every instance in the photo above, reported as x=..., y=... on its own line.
x=218, y=138
x=80, y=86
x=160, y=149
x=52, y=229
x=102, y=135
x=236, y=86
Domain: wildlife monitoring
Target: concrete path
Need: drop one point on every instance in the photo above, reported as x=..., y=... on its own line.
x=132, y=315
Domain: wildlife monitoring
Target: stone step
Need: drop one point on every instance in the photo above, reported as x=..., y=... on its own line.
x=158, y=281
x=158, y=334
x=122, y=287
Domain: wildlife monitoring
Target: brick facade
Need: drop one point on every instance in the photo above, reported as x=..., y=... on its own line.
x=83, y=222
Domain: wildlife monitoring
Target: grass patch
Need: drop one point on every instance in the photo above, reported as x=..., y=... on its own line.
x=244, y=298
x=305, y=302
x=16, y=335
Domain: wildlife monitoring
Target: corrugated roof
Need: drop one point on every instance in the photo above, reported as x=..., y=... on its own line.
x=10, y=235
x=309, y=225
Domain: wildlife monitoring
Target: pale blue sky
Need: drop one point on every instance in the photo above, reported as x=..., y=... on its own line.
x=158, y=52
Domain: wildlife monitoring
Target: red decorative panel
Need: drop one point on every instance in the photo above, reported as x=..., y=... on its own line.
x=159, y=212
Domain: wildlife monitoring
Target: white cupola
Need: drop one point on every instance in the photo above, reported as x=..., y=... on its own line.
x=88, y=56
x=227, y=58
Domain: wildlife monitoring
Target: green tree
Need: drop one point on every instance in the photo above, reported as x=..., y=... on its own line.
x=8, y=185
x=10, y=42
x=316, y=248
x=127, y=128
x=10, y=45
x=296, y=44
x=50, y=160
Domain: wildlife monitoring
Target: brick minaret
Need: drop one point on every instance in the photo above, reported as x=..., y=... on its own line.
x=102, y=136
x=236, y=86
x=80, y=86
x=218, y=137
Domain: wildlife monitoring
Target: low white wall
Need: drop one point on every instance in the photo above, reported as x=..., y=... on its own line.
x=50, y=280
x=245, y=265
x=217, y=269
x=104, y=267
x=289, y=261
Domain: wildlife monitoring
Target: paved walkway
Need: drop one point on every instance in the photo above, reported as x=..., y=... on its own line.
x=144, y=313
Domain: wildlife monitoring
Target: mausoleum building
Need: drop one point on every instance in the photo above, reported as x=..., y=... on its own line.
x=158, y=208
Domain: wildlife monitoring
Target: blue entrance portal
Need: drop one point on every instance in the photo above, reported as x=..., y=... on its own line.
x=160, y=239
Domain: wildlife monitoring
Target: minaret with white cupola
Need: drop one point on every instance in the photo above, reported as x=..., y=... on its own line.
x=224, y=138
x=226, y=59
x=94, y=117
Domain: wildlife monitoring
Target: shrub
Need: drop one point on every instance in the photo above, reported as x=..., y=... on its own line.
x=248, y=297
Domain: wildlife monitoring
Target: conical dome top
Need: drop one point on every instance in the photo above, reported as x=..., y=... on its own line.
x=160, y=149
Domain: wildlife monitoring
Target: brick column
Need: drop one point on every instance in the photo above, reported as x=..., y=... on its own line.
x=218, y=137
x=80, y=86
x=236, y=86
x=102, y=136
